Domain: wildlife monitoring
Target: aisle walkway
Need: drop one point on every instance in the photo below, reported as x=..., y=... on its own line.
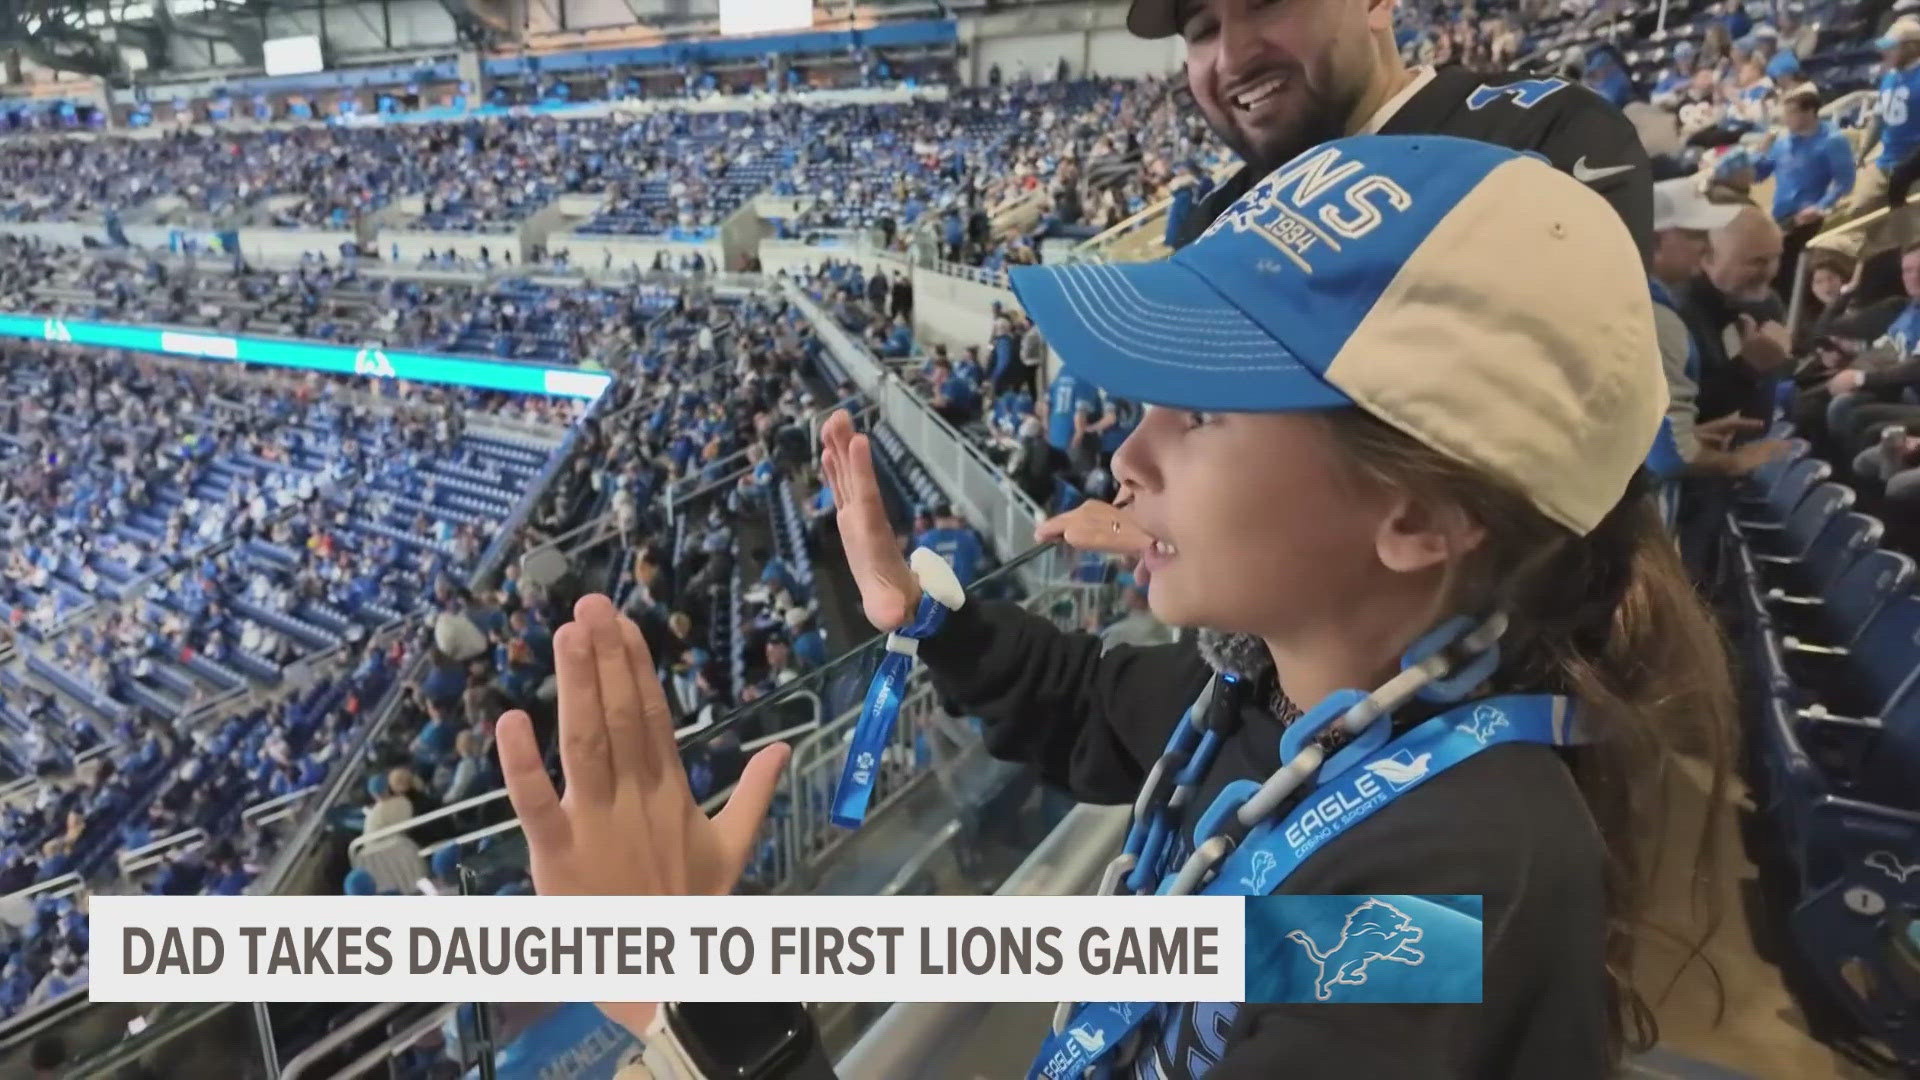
x=1761, y=1032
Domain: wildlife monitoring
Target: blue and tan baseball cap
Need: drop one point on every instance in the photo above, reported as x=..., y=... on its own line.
x=1475, y=298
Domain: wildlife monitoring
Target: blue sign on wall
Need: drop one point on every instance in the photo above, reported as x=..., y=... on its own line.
x=344, y=359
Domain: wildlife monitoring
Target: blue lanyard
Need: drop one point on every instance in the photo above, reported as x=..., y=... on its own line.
x=879, y=714
x=1276, y=847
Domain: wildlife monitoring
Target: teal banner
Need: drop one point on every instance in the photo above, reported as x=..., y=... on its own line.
x=1363, y=949
x=314, y=356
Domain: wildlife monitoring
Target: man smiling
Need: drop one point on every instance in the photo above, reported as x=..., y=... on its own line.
x=1276, y=77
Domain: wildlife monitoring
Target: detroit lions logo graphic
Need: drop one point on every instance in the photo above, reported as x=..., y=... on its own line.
x=1486, y=720
x=1376, y=930
x=1260, y=868
x=1314, y=205
x=1889, y=864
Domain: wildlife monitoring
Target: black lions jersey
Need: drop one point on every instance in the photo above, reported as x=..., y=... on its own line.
x=1571, y=126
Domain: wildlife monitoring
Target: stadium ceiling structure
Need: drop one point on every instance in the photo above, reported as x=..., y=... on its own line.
x=91, y=37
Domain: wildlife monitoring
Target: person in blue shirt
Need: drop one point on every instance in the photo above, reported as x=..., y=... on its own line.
x=1735, y=18
x=899, y=341
x=1812, y=169
x=1065, y=398
x=809, y=644
x=938, y=355
x=955, y=397
x=955, y=542
x=968, y=367
x=1120, y=417
x=955, y=231
x=1675, y=79
x=776, y=575
x=1753, y=94
x=1606, y=75
x=1897, y=115
x=1865, y=393
x=1785, y=74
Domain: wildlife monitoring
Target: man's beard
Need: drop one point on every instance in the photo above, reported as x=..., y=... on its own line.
x=1323, y=121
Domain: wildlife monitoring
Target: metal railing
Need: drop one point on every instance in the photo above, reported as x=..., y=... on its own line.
x=979, y=489
x=262, y=814
x=979, y=275
x=402, y=1039
x=909, y=1038
x=337, y=1038
x=156, y=853
x=53, y=888
x=400, y=829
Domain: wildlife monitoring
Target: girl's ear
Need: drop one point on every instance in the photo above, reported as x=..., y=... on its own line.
x=1417, y=535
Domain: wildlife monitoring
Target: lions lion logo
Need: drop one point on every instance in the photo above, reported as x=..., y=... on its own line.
x=1376, y=930
x=1486, y=720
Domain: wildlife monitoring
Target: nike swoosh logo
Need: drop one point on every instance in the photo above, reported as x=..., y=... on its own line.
x=1587, y=174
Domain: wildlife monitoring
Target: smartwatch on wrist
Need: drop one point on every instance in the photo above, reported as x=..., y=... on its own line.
x=734, y=1041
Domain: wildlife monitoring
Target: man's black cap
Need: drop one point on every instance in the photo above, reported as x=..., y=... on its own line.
x=1152, y=19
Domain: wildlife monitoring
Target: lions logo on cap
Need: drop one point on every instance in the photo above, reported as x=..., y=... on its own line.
x=1319, y=201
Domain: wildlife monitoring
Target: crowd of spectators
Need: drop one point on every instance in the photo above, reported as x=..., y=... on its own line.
x=179, y=536
x=163, y=782
x=476, y=174
x=1055, y=439
x=711, y=418
x=1085, y=155
x=677, y=173
x=513, y=318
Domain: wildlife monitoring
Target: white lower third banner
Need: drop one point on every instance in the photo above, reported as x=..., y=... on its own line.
x=732, y=948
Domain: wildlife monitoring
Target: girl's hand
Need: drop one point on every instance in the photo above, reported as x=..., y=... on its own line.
x=627, y=825
x=889, y=594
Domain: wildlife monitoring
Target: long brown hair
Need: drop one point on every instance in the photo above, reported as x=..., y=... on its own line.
x=1611, y=620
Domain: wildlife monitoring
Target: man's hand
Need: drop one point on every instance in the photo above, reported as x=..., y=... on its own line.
x=1845, y=382
x=1763, y=346
x=1755, y=454
x=1811, y=215
x=1727, y=426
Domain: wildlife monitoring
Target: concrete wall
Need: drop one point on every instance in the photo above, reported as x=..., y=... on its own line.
x=278, y=246
x=414, y=245
x=797, y=258
x=954, y=311
x=69, y=234
x=1091, y=36
x=590, y=252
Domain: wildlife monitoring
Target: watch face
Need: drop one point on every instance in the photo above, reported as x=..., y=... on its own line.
x=747, y=1041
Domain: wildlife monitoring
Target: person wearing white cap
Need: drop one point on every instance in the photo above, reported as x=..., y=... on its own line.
x=1396, y=477
x=1896, y=120
x=1683, y=220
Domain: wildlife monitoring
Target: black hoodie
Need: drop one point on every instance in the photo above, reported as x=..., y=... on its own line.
x=1508, y=824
